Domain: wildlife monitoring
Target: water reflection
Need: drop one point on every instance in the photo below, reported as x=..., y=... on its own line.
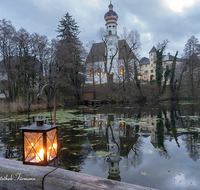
x=141, y=145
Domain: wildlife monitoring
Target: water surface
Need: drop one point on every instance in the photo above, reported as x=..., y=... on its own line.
x=156, y=146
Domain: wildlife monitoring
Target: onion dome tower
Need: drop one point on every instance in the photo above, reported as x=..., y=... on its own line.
x=111, y=18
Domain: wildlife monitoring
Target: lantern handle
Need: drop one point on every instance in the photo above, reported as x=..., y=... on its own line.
x=39, y=96
x=39, y=99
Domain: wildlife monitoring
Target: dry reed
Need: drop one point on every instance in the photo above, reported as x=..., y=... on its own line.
x=20, y=107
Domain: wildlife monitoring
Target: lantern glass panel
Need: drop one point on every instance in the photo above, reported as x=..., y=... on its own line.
x=33, y=147
x=51, y=144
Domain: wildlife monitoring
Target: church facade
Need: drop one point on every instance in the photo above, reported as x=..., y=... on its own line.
x=111, y=59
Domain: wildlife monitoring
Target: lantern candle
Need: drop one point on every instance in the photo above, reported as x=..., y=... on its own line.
x=40, y=156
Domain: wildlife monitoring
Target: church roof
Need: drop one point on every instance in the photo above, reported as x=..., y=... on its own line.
x=153, y=49
x=144, y=61
x=169, y=57
x=123, y=49
x=97, y=52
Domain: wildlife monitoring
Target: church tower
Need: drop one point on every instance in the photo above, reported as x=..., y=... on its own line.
x=111, y=18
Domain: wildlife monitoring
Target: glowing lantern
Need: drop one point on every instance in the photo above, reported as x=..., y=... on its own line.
x=40, y=144
x=40, y=140
x=139, y=76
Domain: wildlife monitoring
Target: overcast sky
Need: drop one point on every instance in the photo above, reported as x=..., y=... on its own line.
x=155, y=20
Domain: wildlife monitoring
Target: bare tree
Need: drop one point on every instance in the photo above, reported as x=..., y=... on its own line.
x=129, y=52
x=191, y=53
x=7, y=51
x=109, y=53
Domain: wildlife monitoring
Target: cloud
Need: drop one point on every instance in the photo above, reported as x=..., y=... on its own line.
x=179, y=5
x=154, y=20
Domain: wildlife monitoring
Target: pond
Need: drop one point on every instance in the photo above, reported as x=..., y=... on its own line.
x=154, y=145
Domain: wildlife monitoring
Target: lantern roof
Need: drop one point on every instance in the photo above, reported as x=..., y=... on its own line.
x=44, y=127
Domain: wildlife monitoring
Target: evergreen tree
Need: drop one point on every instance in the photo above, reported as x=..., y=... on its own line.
x=68, y=29
x=159, y=68
x=70, y=56
x=172, y=82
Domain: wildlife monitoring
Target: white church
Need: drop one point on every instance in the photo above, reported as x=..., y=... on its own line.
x=108, y=59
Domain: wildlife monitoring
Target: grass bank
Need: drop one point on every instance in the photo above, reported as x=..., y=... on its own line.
x=20, y=107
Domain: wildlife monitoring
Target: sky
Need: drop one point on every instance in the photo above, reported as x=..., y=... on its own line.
x=154, y=20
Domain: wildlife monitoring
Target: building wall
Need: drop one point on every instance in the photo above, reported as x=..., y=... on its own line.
x=148, y=71
x=112, y=47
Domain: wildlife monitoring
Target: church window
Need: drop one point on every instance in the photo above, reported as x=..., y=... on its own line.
x=110, y=32
x=92, y=123
x=99, y=71
x=151, y=65
x=121, y=70
x=145, y=65
x=151, y=59
x=109, y=26
x=122, y=126
x=91, y=73
x=151, y=71
x=113, y=26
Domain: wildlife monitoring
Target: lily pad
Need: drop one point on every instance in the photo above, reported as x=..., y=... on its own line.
x=91, y=128
x=101, y=153
x=64, y=148
x=143, y=173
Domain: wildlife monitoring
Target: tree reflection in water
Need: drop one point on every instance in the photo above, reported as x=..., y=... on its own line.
x=114, y=139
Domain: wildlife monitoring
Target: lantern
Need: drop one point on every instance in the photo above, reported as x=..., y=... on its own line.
x=40, y=140
x=39, y=143
x=139, y=76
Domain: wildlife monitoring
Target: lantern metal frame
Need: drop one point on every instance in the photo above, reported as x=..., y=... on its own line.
x=42, y=131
